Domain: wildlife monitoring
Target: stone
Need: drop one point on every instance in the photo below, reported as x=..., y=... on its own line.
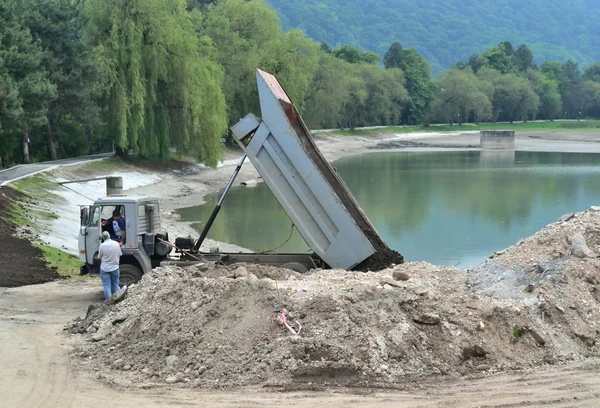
x=529, y=288
x=194, y=306
x=201, y=370
x=99, y=336
x=482, y=367
x=117, y=297
x=120, y=318
x=579, y=247
x=387, y=287
x=127, y=367
x=401, y=276
x=240, y=272
x=252, y=280
x=481, y=326
x=537, y=336
x=566, y=217
x=427, y=318
x=595, y=208
x=171, y=379
x=267, y=283
x=171, y=360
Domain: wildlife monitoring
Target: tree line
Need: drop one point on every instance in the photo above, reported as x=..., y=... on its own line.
x=83, y=76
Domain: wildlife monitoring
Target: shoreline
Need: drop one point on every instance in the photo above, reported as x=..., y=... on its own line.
x=191, y=190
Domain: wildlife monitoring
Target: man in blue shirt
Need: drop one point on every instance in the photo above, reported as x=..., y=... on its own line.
x=116, y=227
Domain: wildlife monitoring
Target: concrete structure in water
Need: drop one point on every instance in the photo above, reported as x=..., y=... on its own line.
x=498, y=139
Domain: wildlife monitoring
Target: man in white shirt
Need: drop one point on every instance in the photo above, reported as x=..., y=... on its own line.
x=110, y=254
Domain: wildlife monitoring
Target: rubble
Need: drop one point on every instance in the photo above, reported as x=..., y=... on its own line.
x=525, y=308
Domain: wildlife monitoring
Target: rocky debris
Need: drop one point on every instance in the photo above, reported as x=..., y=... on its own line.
x=536, y=336
x=427, y=318
x=240, y=272
x=356, y=329
x=579, y=247
x=120, y=318
x=566, y=217
x=401, y=276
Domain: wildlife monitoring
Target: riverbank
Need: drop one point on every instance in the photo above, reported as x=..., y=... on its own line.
x=190, y=189
x=54, y=211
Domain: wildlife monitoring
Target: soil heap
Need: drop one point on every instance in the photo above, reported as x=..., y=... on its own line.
x=20, y=262
x=533, y=304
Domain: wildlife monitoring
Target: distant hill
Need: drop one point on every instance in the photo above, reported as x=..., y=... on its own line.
x=445, y=31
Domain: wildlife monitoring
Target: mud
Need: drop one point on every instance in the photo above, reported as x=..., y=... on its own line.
x=20, y=261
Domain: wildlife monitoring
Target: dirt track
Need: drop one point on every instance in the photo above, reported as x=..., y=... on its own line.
x=36, y=371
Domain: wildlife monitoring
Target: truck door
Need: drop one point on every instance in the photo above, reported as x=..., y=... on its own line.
x=92, y=237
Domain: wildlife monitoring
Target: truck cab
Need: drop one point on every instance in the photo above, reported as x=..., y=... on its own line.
x=144, y=248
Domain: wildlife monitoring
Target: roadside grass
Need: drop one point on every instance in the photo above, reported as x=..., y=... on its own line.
x=65, y=264
x=584, y=125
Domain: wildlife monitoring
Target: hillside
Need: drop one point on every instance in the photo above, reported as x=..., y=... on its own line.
x=445, y=31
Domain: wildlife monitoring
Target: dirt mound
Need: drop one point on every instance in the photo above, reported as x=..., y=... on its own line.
x=212, y=327
x=20, y=262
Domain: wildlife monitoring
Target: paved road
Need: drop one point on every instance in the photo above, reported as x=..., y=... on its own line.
x=23, y=170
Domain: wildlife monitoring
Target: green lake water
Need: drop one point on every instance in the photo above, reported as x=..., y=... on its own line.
x=447, y=208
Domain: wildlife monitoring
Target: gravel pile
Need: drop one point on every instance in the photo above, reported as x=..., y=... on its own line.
x=208, y=326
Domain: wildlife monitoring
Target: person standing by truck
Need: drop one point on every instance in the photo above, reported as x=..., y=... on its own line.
x=110, y=255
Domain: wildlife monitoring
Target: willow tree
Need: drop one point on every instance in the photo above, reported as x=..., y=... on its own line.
x=163, y=87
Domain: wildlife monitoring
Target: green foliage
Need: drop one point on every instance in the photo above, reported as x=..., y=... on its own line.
x=462, y=96
x=419, y=84
x=163, y=88
x=355, y=56
x=445, y=31
x=517, y=333
x=248, y=35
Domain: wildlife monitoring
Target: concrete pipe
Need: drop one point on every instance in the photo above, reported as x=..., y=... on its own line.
x=114, y=186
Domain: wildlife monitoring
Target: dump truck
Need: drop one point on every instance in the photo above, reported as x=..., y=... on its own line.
x=281, y=148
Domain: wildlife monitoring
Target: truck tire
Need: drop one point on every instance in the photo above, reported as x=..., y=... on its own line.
x=130, y=274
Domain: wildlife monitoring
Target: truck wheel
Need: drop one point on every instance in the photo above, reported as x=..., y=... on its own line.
x=295, y=266
x=130, y=274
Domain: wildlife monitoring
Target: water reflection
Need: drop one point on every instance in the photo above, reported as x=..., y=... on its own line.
x=444, y=207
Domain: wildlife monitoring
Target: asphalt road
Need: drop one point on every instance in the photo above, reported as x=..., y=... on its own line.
x=23, y=170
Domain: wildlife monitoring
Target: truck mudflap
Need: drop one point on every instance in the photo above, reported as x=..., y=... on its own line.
x=316, y=199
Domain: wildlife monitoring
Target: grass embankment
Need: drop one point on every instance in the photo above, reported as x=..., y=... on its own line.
x=27, y=212
x=555, y=125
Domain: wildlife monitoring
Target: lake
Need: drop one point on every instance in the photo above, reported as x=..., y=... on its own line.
x=446, y=207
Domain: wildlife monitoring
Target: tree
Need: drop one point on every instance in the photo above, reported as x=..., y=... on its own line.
x=461, y=96
x=547, y=91
x=523, y=58
x=514, y=98
x=22, y=58
x=163, y=88
x=498, y=59
x=419, y=84
x=328, y=93
x=394, y=55
x=248, y=35
x=355, y=56
x=592, y=73
x=72, y=67
x=10, y=110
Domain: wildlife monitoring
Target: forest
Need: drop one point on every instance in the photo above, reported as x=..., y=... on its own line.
x=444, y=31
x=86, y=76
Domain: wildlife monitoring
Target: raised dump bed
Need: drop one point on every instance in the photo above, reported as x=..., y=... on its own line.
x=316, y=199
